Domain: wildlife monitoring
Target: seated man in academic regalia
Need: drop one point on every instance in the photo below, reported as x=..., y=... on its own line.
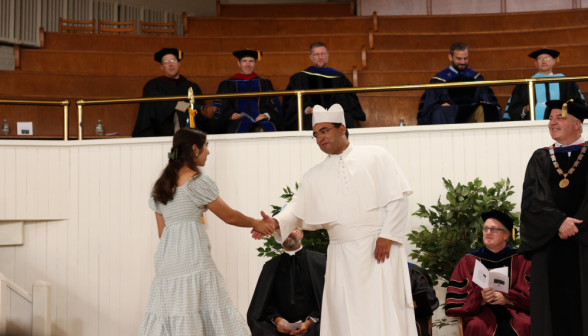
x=518, y=104
x=458, y=105
x=289, y=290
x=485, y=311
x=424, y=297
x=254, y=114
x=319, y=76
x=165, y=118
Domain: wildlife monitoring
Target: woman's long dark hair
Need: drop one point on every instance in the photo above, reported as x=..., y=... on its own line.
x=184, y=139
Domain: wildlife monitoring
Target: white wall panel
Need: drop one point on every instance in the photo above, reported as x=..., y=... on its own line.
x=90, y=234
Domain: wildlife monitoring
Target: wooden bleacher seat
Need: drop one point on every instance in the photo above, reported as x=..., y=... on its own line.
x=162, y=29
x=128, y=29
x=77, y=26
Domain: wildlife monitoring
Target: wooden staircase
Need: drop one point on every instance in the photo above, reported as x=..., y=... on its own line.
x=382, y=50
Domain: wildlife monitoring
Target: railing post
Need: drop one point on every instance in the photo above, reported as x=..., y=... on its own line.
x=65, y=104
x=532, y=99
x=300, y=113
x=80, y=120
x=41, y=308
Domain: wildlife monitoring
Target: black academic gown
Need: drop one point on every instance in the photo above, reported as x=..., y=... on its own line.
x=253, y=106
x=262, y=297
x=420, y=281
x=559, y=305
x=157, y=119
x=464, y=297
x=325, y=78
x=546, y=92
x=462, y=101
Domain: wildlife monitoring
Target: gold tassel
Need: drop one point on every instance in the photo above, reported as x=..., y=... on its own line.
x=203, y=221
x=258, y=55
x=513, y=233
x=564, y=108
x=192, y=114
x=180, y=54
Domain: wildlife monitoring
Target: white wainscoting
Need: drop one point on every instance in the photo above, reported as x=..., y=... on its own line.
x=90, y=233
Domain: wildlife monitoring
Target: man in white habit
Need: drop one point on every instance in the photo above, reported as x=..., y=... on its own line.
x=360, y=195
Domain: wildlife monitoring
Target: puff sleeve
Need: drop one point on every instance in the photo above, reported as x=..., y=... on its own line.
x=202, y=190
x=154, y=205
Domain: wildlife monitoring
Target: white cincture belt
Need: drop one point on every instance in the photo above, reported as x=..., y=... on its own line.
x=339, y=234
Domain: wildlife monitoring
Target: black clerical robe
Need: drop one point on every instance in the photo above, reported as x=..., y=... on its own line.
x=559, y=304
x=323, y=78
x=422, y=287
x=544, y=92
x=462, y=101
x=464, y=297
x=252, y=106
x=267, y=305
x=157, y=119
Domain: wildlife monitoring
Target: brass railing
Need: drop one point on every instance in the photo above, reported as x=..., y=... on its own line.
x=64, y=103
x=299, y=93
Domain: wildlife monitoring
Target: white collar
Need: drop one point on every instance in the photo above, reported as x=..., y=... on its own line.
x=577, y=142
x=294, y=252
x=344, y=154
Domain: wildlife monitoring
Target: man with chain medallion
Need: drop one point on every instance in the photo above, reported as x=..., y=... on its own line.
x=554, y=230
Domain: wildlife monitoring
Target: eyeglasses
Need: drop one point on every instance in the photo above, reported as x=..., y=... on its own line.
x=322, y=131
x=172, y=61
x=321, y=54
x=493, y=230
x=544, y=59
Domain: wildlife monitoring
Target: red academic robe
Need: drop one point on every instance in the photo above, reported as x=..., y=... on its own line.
x=464, y=297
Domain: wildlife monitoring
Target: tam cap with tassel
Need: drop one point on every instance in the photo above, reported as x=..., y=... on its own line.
x=503, y=218
x=575, y=107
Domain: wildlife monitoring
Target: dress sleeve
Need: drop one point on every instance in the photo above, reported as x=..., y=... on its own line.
x=202, y=190
x=154, y=205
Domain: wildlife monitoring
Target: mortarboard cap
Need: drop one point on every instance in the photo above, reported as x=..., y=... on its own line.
x=576, y=108
x=550, y=52
x=333, y=115
x=168, y=51
x=503, y=218
x=256, y=54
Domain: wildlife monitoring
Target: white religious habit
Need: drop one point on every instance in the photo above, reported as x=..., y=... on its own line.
x=358, y=196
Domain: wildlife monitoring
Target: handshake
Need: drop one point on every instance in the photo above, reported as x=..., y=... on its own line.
x=264, y=227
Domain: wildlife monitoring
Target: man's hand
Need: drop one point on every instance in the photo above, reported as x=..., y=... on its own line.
x=282, y=328
x=446, y=104
x=308, y=110
x=488, y=295
x=500, y=299
x=263, y=228
x=304, y=328
x=568, y=228
x=274, y=223
x=526, y=109
x=236, y=116
x=382, y=251
x=261, y=117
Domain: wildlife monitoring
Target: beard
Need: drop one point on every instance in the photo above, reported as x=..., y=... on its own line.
x=459, y=68
x=291, y=242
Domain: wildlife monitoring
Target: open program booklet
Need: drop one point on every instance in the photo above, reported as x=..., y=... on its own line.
x=496, y=278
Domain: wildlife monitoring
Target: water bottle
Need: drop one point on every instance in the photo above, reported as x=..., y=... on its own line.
x=99, y=128
x=402, y=122
x=5, y=128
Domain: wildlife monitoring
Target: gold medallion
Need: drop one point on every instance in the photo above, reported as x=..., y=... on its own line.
x=564, y=183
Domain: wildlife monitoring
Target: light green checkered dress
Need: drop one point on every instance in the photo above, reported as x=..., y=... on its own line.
x=188, y=295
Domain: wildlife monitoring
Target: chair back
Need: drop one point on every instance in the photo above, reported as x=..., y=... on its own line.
x=77, y=26
x=149, y=28
x=117, y=28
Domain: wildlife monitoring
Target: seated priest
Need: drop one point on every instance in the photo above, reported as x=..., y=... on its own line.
x=319, y=76
x=458, y=105
x=166, y=118
x=485, y=311
x=252, y=114
x=289, y=290
x=424, y=297
x=518, y=104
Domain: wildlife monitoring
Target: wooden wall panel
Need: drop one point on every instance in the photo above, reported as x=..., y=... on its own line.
x=481, y=22
x=444, y=7
x=289, y=10
x=200, y=26
x=502, y=39
x=196, y=44
x=99, y=260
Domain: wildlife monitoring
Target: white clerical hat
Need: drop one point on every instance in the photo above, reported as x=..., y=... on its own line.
x=332, y=115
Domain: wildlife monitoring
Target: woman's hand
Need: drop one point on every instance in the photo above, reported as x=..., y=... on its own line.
x=264, y=228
